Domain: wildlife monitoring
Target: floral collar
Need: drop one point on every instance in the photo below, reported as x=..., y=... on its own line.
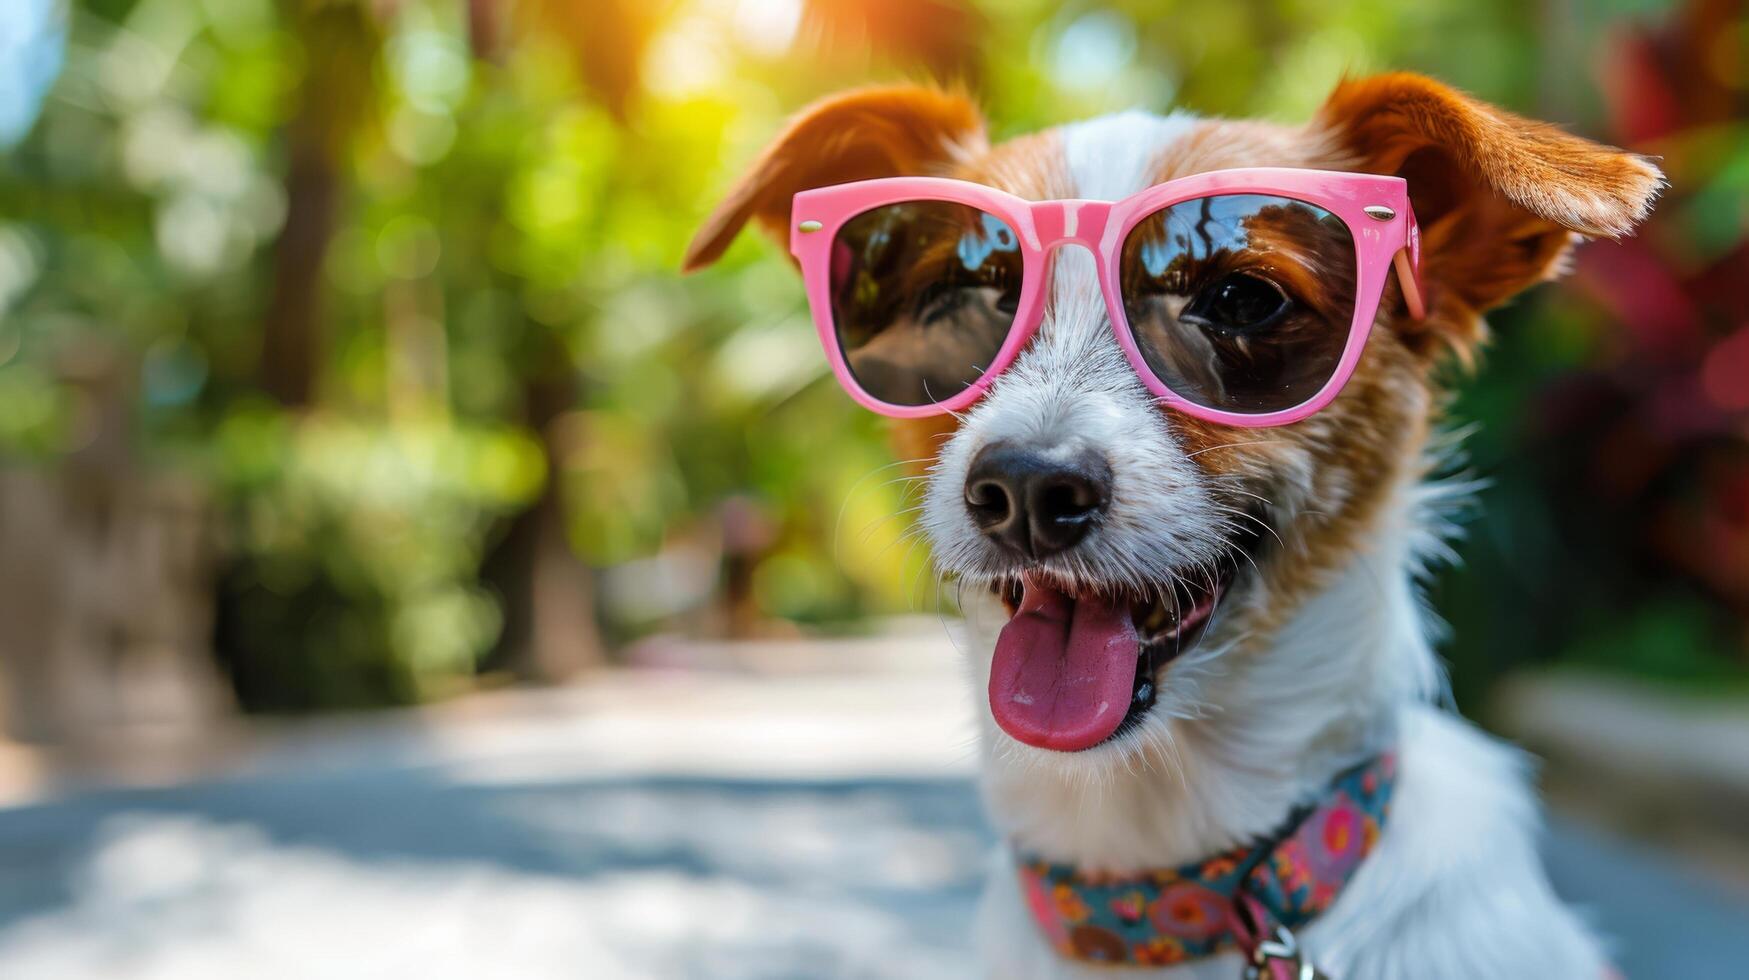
x=1249, y=899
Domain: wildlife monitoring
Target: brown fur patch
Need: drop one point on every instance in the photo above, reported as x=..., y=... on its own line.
x=1339, y=441
x=919, y=441
x=1033, y=167
x=1565, y=180
x=1501, y=199
x=873, y=132
x=1222, y=144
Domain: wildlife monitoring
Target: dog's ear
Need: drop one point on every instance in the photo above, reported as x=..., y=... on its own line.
x=902, y=130
x=1500, y=199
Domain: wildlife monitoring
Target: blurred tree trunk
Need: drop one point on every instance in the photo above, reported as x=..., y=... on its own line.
x=548, y=594
x=340, y=42
x=550, y=632
x=106, y=594
x=289, y=341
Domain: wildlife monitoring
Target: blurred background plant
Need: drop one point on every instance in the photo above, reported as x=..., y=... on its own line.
x=342, y=345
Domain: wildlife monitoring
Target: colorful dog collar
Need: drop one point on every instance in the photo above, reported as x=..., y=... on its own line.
x=1249, y=899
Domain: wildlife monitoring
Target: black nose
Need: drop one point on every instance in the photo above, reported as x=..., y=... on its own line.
x=1036, y=503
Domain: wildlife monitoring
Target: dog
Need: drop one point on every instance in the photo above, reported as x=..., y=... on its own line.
x=1177, y=383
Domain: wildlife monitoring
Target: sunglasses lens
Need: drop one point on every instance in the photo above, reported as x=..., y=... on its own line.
x=1240, y=302
x=923, y=294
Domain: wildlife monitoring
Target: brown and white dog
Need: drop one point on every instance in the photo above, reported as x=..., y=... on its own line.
x=1320, y=653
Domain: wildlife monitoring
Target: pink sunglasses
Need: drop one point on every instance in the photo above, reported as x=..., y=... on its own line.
x=1227, y=290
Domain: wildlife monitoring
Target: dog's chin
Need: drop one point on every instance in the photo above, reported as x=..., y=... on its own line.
x=1174, y=621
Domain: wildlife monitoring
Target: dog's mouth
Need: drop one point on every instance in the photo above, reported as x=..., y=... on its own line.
x=1076, y=669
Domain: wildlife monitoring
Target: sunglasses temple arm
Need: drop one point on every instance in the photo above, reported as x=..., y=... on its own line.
x=1408, y=264
x=1409, y=280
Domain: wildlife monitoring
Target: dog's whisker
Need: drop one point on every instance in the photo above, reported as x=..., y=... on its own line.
x=849, y=495
x=1235, y=445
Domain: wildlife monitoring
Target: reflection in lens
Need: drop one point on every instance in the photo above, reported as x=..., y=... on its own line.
x=1240, y=302
x=923, y=294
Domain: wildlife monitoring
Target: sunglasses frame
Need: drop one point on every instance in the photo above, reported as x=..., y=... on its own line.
x=1375, y=209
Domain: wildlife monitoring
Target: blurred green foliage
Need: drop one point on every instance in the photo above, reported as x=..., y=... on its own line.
x=498, y=317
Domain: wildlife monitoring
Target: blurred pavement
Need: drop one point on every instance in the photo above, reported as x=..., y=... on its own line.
x=796, y=814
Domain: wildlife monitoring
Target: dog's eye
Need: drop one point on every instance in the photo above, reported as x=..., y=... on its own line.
x=1238, y=301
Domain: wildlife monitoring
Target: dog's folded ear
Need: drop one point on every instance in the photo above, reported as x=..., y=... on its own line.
x=1500, y=198
x=894, y=131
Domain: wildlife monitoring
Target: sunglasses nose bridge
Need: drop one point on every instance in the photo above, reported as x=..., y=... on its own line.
x=1071, y=222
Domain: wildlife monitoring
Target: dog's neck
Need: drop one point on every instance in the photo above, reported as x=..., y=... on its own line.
x=1246, y=735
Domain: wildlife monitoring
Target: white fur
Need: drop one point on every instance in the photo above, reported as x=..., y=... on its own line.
x=1237, y=736
x=1113, y=156
x=1454, y=888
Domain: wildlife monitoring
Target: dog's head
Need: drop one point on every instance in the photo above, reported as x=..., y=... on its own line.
x=1133, y=545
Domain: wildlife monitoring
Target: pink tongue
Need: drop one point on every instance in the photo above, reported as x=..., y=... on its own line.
x=1064, y=670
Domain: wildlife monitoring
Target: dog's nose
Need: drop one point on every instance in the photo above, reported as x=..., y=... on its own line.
x=1036, y=503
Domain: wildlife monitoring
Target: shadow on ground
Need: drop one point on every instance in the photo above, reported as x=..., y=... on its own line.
x=397, y=874
x=365, y=876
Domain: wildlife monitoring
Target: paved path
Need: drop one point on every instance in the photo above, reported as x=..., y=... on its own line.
x=647, y=827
